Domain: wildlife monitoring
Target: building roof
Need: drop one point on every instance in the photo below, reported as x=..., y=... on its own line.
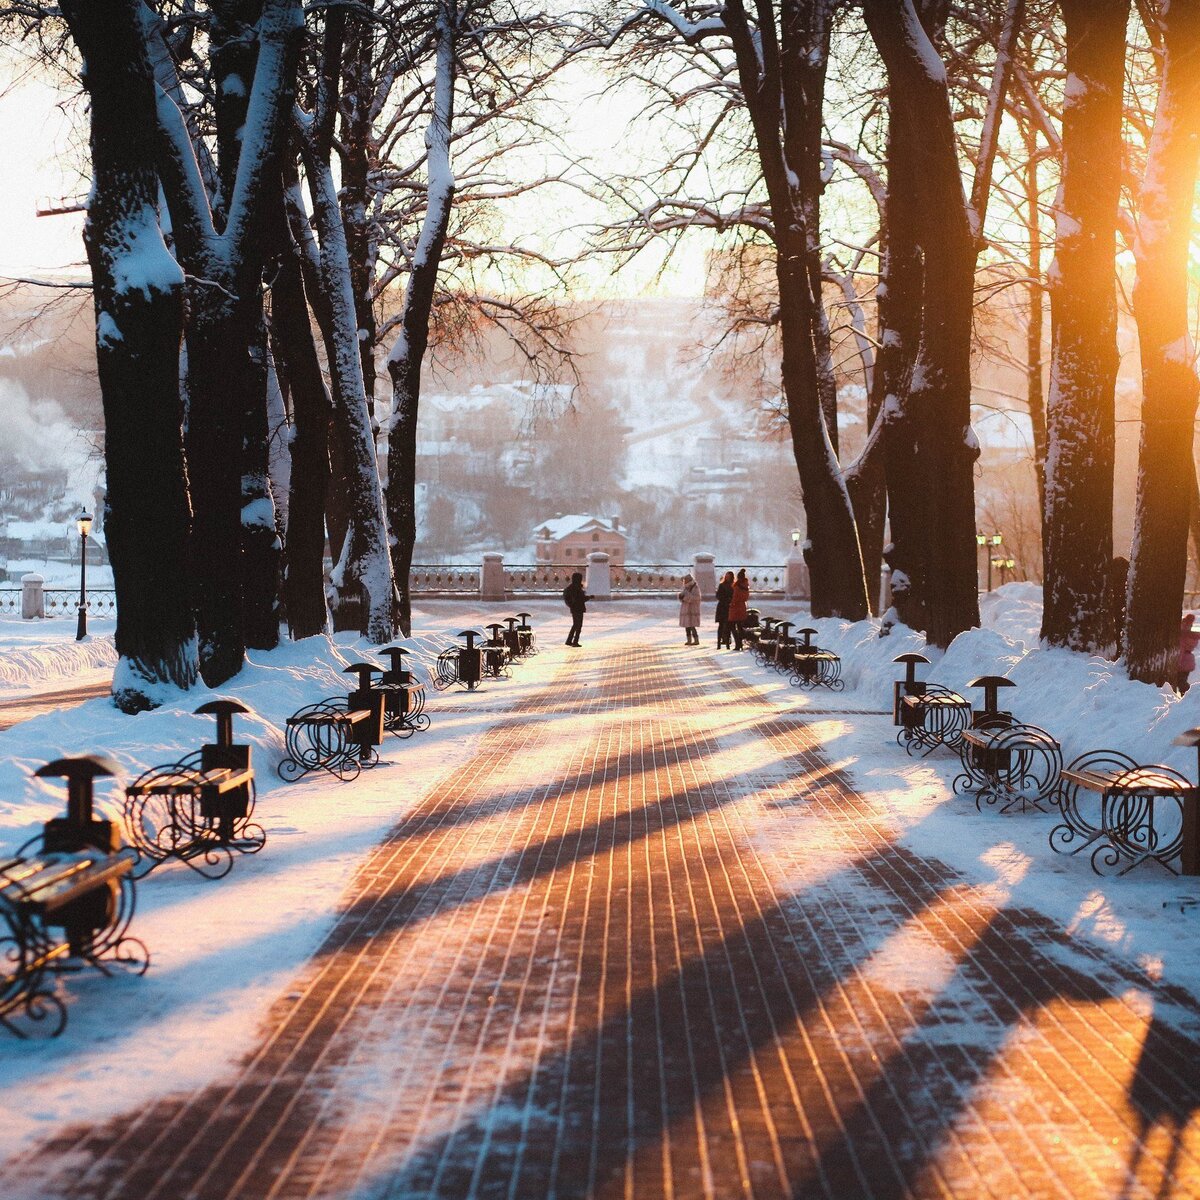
x=563, y=525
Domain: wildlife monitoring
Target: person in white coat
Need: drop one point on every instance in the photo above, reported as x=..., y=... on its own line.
x=689, y=610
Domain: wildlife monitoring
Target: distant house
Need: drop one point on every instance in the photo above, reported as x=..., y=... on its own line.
x=567, y=540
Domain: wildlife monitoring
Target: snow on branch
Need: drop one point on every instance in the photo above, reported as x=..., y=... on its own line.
x=692, y=32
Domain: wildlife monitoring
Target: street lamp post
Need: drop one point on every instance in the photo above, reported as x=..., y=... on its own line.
x=83, y=523
x=990, y=540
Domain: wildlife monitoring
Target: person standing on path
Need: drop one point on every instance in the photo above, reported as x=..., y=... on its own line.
x=724, y=596
x=737, y=607
x=576, y=600
x=689, y=610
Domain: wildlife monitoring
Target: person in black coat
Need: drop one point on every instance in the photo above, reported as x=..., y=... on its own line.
x=724, y=595
x=576, y=599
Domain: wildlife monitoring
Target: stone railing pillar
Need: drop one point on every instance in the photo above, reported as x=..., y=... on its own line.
x=33, y=597
x=705, y=575
x=797, y=585
x=491, y=577
x=599, y=576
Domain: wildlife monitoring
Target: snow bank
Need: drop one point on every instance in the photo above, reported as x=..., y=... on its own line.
x=222, y=952
x=1145, y=918
x=42, y=655
x=1086, y=703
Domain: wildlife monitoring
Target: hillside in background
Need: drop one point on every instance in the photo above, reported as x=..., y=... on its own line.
x=657, y=433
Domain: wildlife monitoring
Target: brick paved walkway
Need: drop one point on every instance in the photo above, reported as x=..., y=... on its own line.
x=579, y=970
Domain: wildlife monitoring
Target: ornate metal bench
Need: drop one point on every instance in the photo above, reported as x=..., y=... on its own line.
x=763, y=646
x=460, y=664
x=1139, y=813
x=1013, y=765
x=200, y=809
x=338, y=735
x=525, y=636
x=66, y=902
x=785, y=648
x=813, y=667
x=403, y=696
x=928, y=715
x=497, y=652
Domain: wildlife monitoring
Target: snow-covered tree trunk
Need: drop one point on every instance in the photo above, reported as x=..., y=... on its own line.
x=234, y=46
x=931, y=486
x=261, y=545
x=1035, y=398
x=889, y=457
x=296, y=356
x=355, y=195
x=408, y=352
x=1166, y=471
x=221, y=248
x=781, y=73
x=365, y=561
x=1080, y=416
x=138, y=293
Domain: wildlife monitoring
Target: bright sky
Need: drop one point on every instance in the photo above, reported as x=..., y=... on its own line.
x=35, y=134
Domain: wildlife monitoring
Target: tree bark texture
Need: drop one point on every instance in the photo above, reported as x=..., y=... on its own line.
x=355, y=194
x=1166, y=470
x=1080, y=409
x=931, y=448
x=296, y=352
x=408, y=353
x=138, y=294
x=782, y=80
x=261, y=544
x=364, y=567
x=223, y=253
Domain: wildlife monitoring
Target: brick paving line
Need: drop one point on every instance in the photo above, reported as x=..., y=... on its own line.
x=1080, y=947
x=965, y=953
x=547, y=1007
x=1086, y=1165
x=540, y=850
x=526, y=894
x=803, y=756
x=303, y=1145
x=366, y=917
x=865, y=993
x=560, y=851
x=678, y=830
x=819, y=1005
x=747, y=852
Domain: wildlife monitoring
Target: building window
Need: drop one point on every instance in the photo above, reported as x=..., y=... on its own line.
x=595, y=537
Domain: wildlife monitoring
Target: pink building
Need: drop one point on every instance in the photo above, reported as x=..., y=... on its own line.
x=567, y=540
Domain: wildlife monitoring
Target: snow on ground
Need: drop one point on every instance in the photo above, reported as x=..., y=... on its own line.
x=40, y=656
x=222, y=952
x=1087, y=703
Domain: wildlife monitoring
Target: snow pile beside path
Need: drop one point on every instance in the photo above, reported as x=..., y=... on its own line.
x=44, y=654
x=272, y=685
x=1087, y=703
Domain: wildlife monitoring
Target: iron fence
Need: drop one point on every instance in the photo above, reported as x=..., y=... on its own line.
x=62, y=602
x=440, y=577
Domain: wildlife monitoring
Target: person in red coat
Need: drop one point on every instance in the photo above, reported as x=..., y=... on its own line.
x=1188, y=640
x=737, y=607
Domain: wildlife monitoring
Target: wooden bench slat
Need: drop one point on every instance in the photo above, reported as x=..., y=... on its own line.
x=1132, y=779
x=55, y=881
x=334, y=718
x=219, y=779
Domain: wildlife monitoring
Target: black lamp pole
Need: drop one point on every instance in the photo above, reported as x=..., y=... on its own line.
x=84, y=524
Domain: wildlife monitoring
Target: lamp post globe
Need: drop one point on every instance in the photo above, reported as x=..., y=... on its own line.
x=83, y=522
